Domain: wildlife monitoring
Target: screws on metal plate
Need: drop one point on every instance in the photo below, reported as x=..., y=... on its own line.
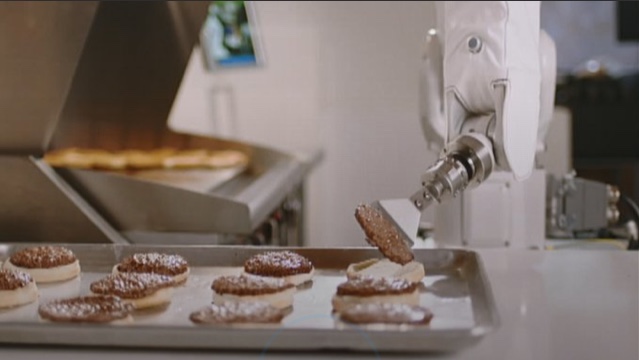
x=474, y=44
x=418, y=204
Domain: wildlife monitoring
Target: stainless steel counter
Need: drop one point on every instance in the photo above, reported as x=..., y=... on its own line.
x=567, y=304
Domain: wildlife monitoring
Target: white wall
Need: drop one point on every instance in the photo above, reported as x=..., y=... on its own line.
x=275, y=104
x=338, y=75
x=369, y=66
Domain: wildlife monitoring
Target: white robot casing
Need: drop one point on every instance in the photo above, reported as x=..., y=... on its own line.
x=488, y=69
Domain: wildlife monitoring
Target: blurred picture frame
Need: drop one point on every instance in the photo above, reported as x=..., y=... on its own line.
x=229, y=37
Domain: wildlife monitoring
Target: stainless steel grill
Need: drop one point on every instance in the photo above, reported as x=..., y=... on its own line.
x=104, y=75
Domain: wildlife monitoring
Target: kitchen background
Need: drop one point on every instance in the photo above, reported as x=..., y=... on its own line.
x=341, y=77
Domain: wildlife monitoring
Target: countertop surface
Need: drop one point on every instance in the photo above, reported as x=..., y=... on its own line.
x=568, y=304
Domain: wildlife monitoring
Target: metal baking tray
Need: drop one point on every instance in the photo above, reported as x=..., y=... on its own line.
x=456, y=289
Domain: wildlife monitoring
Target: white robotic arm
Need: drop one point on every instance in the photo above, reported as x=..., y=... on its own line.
x=481, y=93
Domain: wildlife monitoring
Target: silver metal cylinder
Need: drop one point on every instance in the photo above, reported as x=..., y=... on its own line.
x=466, y=162
x=443, y=178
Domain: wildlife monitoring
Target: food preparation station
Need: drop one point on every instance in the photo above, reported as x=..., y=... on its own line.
x=71, y=78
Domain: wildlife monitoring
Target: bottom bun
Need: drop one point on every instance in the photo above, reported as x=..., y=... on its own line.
x=280, y=300
x=20, y=296
x=343, y=302
x=413, y=271
x=54, y=274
